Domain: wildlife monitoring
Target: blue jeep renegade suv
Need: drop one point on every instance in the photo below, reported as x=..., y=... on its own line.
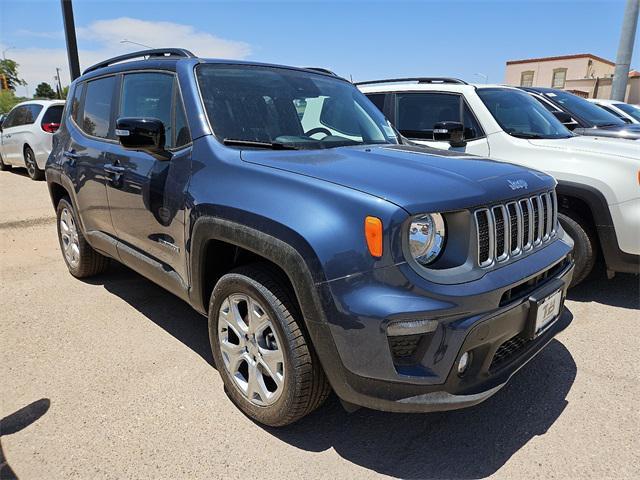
x=326, y=252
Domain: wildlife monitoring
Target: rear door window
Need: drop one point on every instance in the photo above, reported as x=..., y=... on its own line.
x=32, y=113
x=96, y=116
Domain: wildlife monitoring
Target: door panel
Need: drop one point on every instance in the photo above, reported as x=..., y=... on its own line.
x=146, y=197
x=90, y=142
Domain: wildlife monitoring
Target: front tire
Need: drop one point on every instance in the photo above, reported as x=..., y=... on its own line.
x=32, y=166
x=585, y=245
x=82, y=260
x=268, y=366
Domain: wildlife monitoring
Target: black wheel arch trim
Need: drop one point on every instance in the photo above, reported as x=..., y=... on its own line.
x=615, y=258
x=309, y=290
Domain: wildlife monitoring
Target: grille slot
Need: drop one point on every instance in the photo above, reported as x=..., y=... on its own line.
x=537, y=238
x=504, y=231
x=501, y=237
x=515, y=220
x=507, y=351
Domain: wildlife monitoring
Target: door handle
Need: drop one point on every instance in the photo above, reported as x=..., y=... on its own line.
x=70, y=154
x=115, y=169
x=7, y=136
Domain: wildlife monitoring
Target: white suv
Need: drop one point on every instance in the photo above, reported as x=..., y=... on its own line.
x=598, y=178
x=625, y=111
x=26, y=135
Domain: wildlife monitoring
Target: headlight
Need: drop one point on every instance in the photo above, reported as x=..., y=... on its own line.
x=426, y=237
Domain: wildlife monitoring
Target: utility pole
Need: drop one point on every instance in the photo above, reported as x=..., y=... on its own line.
x=59, y=84
x=625, y=50
x=70, y=35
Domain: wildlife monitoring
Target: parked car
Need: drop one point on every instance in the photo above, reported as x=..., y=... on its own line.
x=280, y=203
x=581, y=116
x=26, y=135
x=598, y=194
x=624, y=111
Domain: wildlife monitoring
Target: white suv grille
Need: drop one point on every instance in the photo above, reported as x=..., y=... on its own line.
x=507, y=230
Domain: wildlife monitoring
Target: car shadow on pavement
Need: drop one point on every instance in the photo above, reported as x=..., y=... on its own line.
x=166, y=310
x=15, y=422
x=469, y=443
x=622, y=291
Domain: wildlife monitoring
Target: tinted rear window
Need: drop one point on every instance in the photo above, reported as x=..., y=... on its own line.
x=53, y=114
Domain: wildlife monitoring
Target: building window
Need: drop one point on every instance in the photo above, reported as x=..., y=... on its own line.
x=559, y=77
x=526, y=79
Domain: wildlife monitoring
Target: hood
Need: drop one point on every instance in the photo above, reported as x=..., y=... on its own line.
x=607, y=146
x=415, y=178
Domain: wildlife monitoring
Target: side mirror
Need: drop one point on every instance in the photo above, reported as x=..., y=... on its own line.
x=137, y=133
x=453, y=132
x=565, y=119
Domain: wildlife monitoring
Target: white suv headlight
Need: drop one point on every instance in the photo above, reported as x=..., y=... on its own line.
x=426, y=237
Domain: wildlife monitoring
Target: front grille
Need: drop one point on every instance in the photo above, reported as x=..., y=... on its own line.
x=505, y=231
x=507, y=350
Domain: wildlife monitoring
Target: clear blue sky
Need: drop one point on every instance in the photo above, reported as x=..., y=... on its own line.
x=364, y=39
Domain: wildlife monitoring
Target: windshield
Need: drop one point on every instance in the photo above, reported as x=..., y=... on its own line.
x=256, y=106
x=631, y=110
x=520, y=115
x=589, y=112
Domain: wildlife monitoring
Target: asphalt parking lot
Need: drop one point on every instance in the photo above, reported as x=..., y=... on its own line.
x=113, y=377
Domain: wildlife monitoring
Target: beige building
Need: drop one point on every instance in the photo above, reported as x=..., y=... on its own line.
x=584, y=74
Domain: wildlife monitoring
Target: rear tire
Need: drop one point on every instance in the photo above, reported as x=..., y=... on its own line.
x=4, y=166
x=298, y=385
x=585, y=245
x=82, y=260
x=32, y=166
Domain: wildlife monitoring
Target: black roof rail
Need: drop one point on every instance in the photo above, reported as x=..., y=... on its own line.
x=156, y=52
x=456, y=81
x=321, y=70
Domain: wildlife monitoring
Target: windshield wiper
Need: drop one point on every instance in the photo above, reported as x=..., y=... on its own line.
x=251, y=143
x=601, y=125
x=526, y=135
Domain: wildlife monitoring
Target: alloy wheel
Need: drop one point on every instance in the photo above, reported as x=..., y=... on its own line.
x=31, y=163
x=251, y=349
x=69, y=236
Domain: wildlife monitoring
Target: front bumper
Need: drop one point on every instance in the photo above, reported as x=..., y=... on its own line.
x=363, y=370
x=619, y=241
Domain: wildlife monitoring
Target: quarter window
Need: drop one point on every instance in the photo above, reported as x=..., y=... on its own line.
x=526, y=79
x=419, y=112
x=75, y=102
x=96, y=117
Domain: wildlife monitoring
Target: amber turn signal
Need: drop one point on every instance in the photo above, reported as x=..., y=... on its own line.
x=373, y=234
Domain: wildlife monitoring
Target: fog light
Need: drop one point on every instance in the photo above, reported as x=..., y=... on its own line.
x=464, y=362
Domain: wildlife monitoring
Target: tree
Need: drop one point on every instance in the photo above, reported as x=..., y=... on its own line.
x=44, y=90
x=8, y=100
x=9, y=74
x=65, y=92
